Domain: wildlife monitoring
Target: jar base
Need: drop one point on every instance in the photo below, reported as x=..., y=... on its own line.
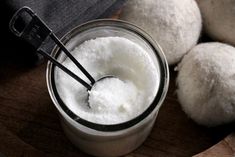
x=109, y=147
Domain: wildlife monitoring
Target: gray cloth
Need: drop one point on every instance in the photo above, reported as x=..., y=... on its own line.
x=59, y=15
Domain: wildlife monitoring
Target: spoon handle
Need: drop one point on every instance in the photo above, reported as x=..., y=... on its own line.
x=66, y=70
x=36, y=32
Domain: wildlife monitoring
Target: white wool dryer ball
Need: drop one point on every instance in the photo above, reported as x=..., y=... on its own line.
x=219, y=19
x=206, y=84
x=174, y=24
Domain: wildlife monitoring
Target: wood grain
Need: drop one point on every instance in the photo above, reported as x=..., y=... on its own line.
x=13, y=146
x=30, y=124
x=225, y=148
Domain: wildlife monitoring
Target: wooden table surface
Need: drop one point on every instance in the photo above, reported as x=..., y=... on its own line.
x=30, y=127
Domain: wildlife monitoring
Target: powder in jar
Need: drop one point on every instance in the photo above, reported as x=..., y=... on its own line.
x=111, y=100
x=113, y=94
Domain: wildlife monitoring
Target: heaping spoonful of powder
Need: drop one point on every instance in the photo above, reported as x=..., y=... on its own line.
x=115, y=99
x=113, y=93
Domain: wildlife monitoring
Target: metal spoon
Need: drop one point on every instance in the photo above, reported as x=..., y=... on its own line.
x=36, y=32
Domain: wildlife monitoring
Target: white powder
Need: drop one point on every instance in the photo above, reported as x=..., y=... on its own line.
x=112, y=94
x=111, y=100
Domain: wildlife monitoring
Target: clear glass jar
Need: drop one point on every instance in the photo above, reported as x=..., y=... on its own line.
x=117, y=139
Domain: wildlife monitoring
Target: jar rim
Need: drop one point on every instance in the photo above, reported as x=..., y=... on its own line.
x=159, y=96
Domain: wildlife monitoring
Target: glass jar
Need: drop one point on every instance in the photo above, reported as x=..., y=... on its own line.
x=115, y=139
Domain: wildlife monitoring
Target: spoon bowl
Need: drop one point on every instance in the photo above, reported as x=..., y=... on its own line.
x=100, y=79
